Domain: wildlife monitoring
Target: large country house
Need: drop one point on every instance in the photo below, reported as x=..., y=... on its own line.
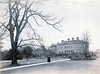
x=70, y=46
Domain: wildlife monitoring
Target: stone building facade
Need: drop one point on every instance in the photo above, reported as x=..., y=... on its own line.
x=70, y=46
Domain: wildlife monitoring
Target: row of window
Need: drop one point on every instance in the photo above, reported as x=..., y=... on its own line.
x=68, y=47
x=69, y=51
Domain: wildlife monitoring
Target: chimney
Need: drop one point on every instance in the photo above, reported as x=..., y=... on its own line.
x=68, y=39
x=72, y=38
x=77, y=38
x=62, y=41
x=57, y=42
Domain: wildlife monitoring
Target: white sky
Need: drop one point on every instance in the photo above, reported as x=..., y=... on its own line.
x=79, y=16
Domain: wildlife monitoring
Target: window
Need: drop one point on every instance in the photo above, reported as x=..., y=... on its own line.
x=65, y=47
x=80, y=50
x=61, y=47
x=62, y=51
x=73, y=51
x=65, y=51
x=71, y=46
x=59, y=52
x=70, y=51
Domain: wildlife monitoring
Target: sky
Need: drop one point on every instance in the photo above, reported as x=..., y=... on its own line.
x=79, y=16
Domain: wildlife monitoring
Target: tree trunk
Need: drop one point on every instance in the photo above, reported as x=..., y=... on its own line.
x=14, y=47
x=14, y=53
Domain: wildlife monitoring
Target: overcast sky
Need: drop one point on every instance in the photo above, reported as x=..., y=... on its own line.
x=79, y=16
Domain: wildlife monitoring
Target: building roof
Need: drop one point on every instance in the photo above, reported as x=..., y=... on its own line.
x=67, y=42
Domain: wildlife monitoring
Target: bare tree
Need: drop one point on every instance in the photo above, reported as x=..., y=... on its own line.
x=86, y=37
x=19, y=13
x=87, y=41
